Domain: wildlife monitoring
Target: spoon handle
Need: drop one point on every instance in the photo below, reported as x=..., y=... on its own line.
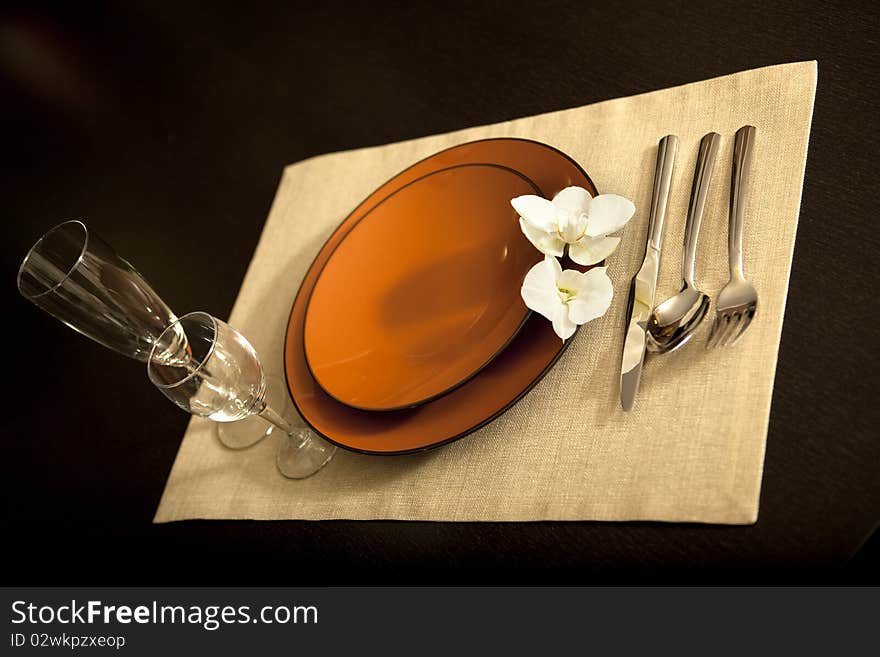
x=699, y=192
x=739, y=186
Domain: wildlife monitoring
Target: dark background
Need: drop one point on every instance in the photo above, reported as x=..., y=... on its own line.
x=166, y=128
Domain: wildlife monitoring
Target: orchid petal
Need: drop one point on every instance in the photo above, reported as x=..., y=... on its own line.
x=547, y=243
x=537, y=211
x=539, y=289
x=572, y=204
x=571, y=280
x=573, y=201
x=571, y=227
x=590, y=250
x=557, y=268
x=563, y=326
x=608, y=213
x=593, y=298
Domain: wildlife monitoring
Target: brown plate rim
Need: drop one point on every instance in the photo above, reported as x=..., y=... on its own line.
x=493, y=416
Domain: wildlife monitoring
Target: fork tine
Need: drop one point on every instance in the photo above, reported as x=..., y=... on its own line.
x=748, y=315
x=718, y=329
x=735, y=322
x=714, y=332
x=725, y=329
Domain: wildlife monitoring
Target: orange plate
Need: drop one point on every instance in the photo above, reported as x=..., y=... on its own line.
x=488, y=394
x=423, y=291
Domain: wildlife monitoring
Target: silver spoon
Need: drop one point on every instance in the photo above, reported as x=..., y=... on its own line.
x=674, y=321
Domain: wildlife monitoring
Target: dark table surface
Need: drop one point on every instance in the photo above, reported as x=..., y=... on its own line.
x=166, y=129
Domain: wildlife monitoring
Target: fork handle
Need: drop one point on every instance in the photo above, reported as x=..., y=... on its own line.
x=739, y=188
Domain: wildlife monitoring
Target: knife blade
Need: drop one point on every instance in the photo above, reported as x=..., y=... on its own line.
x=644, y=283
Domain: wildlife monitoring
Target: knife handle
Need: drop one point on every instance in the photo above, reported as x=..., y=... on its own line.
x=662, y=182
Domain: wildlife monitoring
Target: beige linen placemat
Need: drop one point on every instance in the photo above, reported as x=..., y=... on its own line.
x=693, y=448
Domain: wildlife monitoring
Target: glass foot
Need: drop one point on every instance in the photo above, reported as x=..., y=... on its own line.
x=251, y=430
x=303, y=453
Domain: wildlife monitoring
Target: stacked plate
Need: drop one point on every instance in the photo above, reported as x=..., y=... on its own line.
x=408, y=331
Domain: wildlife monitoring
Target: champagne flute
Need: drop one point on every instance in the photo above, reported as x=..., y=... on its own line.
x=78, y=278
x=210, y=370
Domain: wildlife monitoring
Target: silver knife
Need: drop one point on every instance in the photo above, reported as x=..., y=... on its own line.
x=644, y=283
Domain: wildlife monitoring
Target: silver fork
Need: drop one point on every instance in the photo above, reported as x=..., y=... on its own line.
x=738, y=300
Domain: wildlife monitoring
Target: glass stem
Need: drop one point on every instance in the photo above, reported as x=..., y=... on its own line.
x=272, y=417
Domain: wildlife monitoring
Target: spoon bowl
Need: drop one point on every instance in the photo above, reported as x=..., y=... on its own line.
x=675, y=320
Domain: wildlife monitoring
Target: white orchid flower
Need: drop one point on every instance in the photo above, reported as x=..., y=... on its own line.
x=574, y=218
x=567, y=298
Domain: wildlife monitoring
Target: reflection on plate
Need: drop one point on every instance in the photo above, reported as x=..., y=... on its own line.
x=485, y=396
